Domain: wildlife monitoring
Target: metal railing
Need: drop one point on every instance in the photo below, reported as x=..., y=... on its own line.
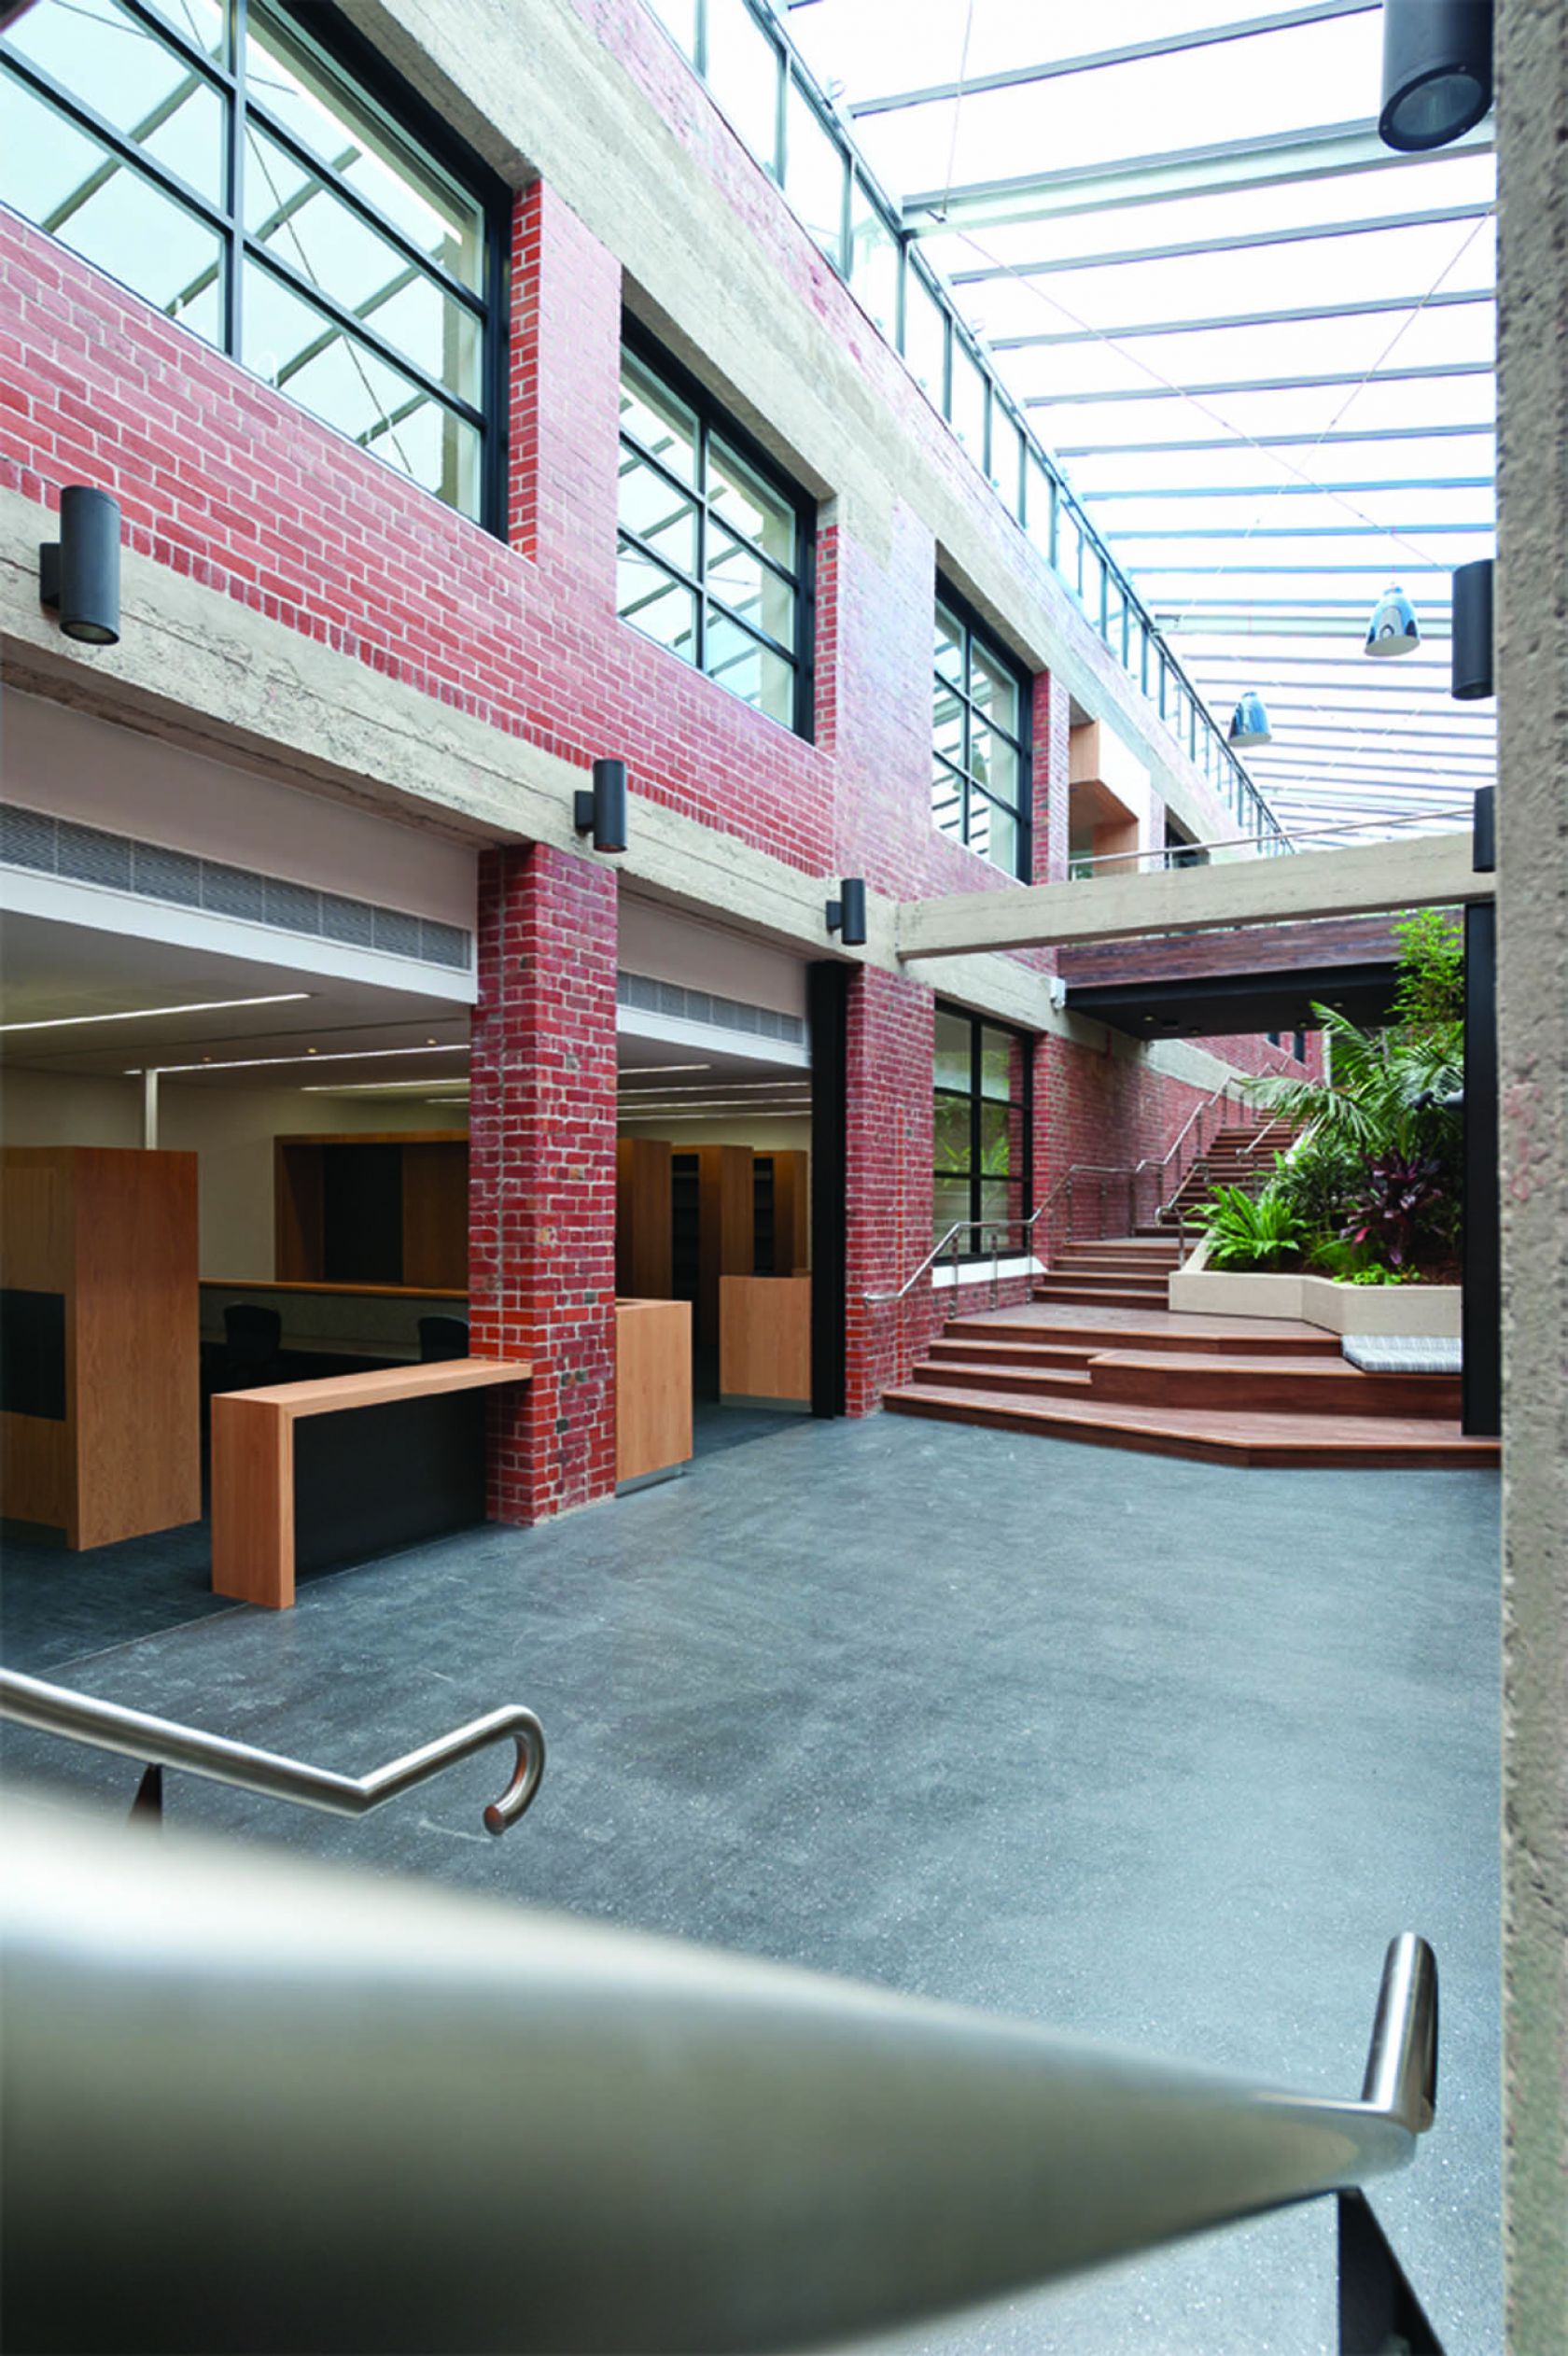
x=330, y=2111
x=1082, y=866
x=159, y=1743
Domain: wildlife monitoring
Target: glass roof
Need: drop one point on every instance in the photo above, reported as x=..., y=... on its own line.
x=1259, y=344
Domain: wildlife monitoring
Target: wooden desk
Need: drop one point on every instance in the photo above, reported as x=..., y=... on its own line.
x=255, y=1477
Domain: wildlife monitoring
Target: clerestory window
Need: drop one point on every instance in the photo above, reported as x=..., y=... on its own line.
x=715, y=542
x=980, y=755
x=256, y=173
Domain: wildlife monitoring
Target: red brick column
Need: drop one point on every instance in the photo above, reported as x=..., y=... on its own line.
x=542, y=1198
x=892, y=1053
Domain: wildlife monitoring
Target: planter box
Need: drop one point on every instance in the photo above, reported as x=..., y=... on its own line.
x=1428, y=1310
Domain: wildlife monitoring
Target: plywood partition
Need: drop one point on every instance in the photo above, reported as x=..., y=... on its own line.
x=99, y=1429
x=764, y=1342
x=791, y=1213
x=422, y=1220
x=652, y=1386
x=644, y=1241
x=726, y=1238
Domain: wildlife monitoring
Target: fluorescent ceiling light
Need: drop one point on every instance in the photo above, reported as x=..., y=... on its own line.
x=627, y=1069
x=367, y=1087
x=261, y=1063
x=143, y=1014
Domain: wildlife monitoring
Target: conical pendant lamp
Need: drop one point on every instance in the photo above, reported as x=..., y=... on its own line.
x=1394, y=628
x=1249, y=723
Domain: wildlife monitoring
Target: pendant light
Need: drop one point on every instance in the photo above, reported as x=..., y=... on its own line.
x=1394, y=628
x=1249, y=723
x=1437, y=72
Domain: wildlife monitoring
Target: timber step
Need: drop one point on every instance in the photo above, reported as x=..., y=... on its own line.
x=1209, y=1435
x=993, y=1375
x=1277, y=1385
x=981, y=1352
x=1256, y=1338
x=1089, y=1288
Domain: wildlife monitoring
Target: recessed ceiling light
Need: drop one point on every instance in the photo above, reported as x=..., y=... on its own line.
x=145, y=1014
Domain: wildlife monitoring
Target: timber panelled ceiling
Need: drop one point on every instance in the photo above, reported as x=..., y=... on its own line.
x=1260, y=343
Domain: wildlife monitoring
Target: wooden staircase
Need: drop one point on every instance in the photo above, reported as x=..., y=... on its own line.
x=1242, y=1154
x=1124, y=1372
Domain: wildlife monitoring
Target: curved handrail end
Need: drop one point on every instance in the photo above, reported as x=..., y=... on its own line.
x=1401, y=2078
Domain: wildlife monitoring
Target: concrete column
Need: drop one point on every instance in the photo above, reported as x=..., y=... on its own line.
x=1533, y=914
x=541, y=1218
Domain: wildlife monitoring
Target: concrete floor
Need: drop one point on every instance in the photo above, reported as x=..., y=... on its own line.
x=1161, y=1752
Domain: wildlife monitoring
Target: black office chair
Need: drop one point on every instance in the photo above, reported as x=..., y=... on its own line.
x=252, y=1338
x=443, y=1338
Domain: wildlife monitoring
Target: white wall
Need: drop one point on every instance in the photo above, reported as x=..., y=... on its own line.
x=708, y=957
x=231, y=1129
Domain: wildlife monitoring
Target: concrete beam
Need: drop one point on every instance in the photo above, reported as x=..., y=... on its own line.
x=1434, y=872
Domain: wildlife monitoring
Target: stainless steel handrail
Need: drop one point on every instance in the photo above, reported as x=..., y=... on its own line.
x=1131, y=862
x=159, y=1742
x=311, y=2091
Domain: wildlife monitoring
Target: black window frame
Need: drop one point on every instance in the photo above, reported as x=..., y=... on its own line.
x=1025, y=1041
x=342, y=46
x=975, y=634
x=713, y=419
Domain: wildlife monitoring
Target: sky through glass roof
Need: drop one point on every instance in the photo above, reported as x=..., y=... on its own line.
x=1260, y=344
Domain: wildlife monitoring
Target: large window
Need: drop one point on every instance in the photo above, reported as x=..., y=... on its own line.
x=982, y=1133
x=980, y=754
x=715, y=545
x=217, y=159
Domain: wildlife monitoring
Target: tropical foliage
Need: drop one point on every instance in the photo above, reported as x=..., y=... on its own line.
x=1370, y=1190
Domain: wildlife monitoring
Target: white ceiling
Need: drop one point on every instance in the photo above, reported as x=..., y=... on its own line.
x=1259, y=342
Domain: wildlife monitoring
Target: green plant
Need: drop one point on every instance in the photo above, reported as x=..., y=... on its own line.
x=1430, y=993
x=1243, y=1231
x=1384, y=1093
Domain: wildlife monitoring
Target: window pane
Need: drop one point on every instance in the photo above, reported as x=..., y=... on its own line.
x=1093, y=582
x=71, y=185
x=967, y=410
x=993, y=691
x=925, y=336
x=1000, y=1077
x=1069, y=548
x=874, y=261
x=289, y=78
x=993, y=764
x=949, y=1203
x=1007, y=455
x=297, y=349
x=140, y=85
x=290, y=211
x=661, y=423
x=658, y=513
x=946, y=800
x=1115, y=606
x=646, y=597
x=750, y=588
x=993, y=832
x=996, y=1138
x=813, y=172
x=680, y=16
x=949, y=645
x=1038, y=486
x=947, y=724
x=950, y=1132
x=742, y=68
x=954, y=1033
x=749, y=507
x=999, y=1206
x=201, y=22
x=749, y=670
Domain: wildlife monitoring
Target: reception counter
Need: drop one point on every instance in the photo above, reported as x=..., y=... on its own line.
x=311, y=1476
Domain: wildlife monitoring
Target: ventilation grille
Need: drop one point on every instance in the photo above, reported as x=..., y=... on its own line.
x=85, y=854
x=700, y=1005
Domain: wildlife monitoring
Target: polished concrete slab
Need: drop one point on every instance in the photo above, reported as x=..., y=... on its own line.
x=1158, y=1751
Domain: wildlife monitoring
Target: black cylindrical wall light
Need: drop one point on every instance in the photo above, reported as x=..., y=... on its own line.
x=1436, y=70
x=1472, y=630
x=602, y=812
x=78, y=574
x=847, y=914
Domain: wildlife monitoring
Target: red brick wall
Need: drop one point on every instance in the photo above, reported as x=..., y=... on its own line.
x=541, y=1161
